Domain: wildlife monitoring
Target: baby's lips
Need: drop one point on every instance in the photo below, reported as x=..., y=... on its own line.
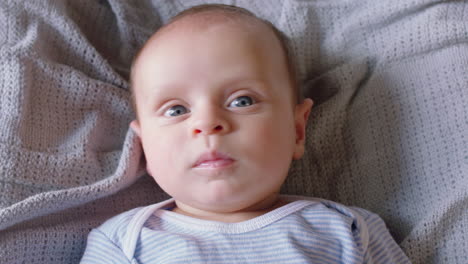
x=215, y=164
x=213, y=158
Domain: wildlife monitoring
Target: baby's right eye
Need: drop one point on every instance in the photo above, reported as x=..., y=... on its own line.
x=176, y=110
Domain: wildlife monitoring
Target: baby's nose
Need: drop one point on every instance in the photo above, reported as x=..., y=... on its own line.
x=209, y=123
x=208, y=130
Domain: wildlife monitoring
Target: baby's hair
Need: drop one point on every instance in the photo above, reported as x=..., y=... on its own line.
x=234, y=12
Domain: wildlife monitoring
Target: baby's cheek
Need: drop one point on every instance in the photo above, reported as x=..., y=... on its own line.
x=272, y=141
x=155, y=152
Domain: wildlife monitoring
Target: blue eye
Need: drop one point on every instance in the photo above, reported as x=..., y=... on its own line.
x=176, y=111
x=242, y=101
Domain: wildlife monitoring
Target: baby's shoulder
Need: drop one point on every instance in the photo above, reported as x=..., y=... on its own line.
x=355, y=226
x=328, y=207
x=329, y=216
x=116, y=227
x=333, y=213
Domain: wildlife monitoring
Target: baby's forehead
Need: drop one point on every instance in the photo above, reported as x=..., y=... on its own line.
x=250, y=29
x=242, y=27
x=213, y=20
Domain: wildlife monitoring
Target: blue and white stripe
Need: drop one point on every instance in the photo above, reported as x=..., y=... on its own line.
x=303, y=231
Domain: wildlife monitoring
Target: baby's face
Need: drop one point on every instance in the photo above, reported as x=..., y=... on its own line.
x=215, y=116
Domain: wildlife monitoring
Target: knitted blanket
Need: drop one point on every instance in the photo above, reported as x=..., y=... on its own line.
x=387, y=132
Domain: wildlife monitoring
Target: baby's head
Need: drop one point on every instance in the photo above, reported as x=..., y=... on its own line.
x=218, y=109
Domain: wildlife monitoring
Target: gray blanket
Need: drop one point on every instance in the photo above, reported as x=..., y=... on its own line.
x=387, y=133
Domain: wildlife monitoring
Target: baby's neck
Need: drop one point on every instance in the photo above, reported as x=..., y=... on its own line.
x=230, y=217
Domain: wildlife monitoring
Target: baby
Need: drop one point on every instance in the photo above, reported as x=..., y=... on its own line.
x=220, y=118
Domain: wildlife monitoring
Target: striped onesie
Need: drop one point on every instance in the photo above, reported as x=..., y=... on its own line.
x=306, y=230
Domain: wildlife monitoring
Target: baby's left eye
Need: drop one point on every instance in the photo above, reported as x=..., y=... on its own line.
x=242, y=101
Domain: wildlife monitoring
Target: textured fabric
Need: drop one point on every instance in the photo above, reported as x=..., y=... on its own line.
x=387, y=132
x=303, y=231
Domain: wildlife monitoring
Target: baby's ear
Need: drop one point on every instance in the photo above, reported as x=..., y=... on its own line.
x=301, y=117
x=135, y=126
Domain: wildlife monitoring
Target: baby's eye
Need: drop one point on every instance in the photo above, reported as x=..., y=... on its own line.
x=242, y=101
x=176, y=110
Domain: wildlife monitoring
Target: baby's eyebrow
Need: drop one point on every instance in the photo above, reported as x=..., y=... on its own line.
x=163, y=92
x=157, y=94
x=162, y=89
x=234, y=82
x=245, y=81
x=230, y=86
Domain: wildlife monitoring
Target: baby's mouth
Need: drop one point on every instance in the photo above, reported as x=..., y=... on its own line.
x=213, y=160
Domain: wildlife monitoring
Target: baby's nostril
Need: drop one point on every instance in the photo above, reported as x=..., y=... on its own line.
x=218, y=128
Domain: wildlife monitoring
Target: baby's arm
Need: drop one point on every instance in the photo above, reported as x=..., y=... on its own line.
x=381, y=247
x=100, y=249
